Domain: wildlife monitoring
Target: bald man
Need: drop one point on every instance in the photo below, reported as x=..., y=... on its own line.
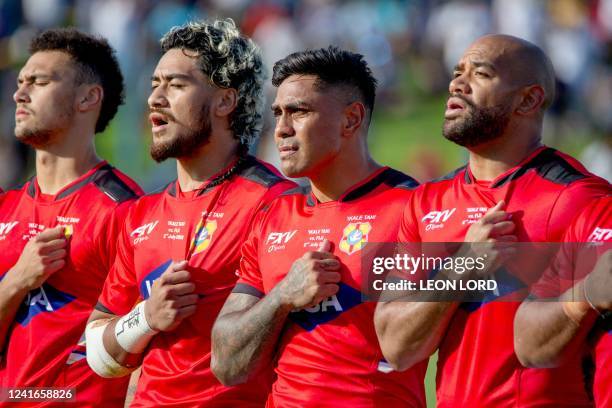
x=513, y=189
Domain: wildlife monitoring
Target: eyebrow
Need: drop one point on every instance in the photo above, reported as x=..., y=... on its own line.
x=476, y=64
x=292, y=106
x=170, y=77
x=34, y=76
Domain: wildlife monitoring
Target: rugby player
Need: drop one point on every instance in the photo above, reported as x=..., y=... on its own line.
x=180, y=246
x=512, y=189
x=299, y=296
x=546, y=334
x=58, y=230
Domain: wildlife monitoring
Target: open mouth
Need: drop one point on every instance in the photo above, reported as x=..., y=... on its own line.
x=158, y=122
x=454, y=106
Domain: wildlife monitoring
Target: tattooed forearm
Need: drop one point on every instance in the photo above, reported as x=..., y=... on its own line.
x=245, y=335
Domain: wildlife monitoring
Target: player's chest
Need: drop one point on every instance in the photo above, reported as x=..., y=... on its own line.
x=351, y=232
x=25, y=221
x=210, y=241
x=448, y=218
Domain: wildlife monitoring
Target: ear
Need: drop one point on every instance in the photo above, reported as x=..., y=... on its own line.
x=531, y=101
x=224, y=102
x=89, y=97
x=354, y=118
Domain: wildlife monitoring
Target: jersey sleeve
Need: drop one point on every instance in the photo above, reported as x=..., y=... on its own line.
x=570, y=202
x=573, y=261
x=249, y=276
x=120, y=291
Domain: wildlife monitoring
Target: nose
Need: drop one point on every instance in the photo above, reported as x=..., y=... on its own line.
x=459, y=84
x=20, y=95
x=158, y=99
x=284, y=126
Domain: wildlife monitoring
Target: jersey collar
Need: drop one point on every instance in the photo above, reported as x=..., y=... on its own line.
x=356, y=191
x=535, y=159
x=33, y=189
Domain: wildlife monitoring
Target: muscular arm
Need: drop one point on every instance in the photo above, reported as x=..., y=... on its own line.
x=248, y=329
x=409, y=332
x=544, y=334
x=245, y=335
x=11, y=296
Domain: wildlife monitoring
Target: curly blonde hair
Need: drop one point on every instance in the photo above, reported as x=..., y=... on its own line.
x=229, y=60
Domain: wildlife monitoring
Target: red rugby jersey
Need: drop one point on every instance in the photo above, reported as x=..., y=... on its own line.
x=159, y=229
x=594, y=227
x=477, y=366
x=46, y=344
x=329, y=354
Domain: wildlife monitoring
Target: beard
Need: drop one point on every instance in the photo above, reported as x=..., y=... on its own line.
x=183, y=144
x=480, y=126
x=36, y=138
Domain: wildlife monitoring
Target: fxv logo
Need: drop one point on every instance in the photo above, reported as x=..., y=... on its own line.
x=278, y=238
x=436, y=217
x=142, y=233
x=6, y=227
x=601, y=235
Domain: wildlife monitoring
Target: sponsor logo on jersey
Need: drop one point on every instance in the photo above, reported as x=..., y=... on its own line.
x=329, y=309
x=203, y=236
x=600, y=235
x=45, y=299
x=147, y=283
x=277, y=240
x=354, y=237
x=142, y=233
x=6, y=227
x=436, y=219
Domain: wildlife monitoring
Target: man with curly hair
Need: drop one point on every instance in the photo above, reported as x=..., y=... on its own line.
x=58, y=230
x=180, y=246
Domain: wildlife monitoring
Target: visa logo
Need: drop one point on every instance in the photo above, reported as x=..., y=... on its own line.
x=327, y=310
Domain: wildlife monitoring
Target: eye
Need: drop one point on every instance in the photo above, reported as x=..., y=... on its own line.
x=176, y=86
x=482, y=74
x=456, y=74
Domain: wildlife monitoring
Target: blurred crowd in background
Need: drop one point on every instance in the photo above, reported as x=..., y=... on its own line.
x=411, y=45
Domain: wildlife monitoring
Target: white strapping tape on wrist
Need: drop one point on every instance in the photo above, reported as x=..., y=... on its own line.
x=133, y=332
x=100, y=361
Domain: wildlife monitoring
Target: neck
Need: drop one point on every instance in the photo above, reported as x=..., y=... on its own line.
x=334, y=179
x=209, y=160
x=62, y=163
x=494, y=158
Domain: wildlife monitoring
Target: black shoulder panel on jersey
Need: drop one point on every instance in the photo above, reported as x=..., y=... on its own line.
x=31, y=187
x=452, y=175
x=255, y=171
x=389, y=177
x=111, y=185
x=549, y=166
x=398, y=179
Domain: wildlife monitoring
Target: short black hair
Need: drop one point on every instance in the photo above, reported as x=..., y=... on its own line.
x=95, y=61
x=332, y=66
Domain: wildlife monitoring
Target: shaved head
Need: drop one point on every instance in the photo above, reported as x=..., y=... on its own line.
x=525, y=62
